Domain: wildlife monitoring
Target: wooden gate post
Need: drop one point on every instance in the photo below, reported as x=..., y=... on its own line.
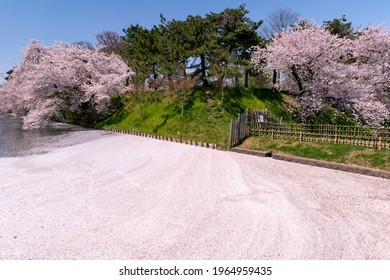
x=247, y=124
x=230, y=134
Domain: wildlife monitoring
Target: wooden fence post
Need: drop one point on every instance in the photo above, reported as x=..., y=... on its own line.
x=258, y=123
x=247, y=127
x=231, y=134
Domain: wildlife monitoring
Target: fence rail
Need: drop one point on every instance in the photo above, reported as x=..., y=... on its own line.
x=238, y=130
x=241, y=128
x=260, y=124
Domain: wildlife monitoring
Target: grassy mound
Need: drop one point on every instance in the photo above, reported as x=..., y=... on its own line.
x=207, y=114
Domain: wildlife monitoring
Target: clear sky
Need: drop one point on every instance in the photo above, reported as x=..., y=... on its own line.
x=81, y=20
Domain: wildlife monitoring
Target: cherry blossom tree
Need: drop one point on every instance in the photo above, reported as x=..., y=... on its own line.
x=3, y=107
x=349, y=74
x=50, y=81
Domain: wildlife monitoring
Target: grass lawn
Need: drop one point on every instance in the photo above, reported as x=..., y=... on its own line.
x=340, y=153
x=207, y=115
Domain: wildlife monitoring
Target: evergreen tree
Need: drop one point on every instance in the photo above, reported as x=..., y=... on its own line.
x=236, y=34
x=174, y=52
x=216, y=47
x=140, y=50
x=340, y=27
x=200, y=40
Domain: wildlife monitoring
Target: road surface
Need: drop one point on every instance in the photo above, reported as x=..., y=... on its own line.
x=128, y=197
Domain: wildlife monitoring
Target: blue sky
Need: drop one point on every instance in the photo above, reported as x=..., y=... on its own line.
x=77, y=20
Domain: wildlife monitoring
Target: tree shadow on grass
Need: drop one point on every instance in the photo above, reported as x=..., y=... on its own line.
x=234, y=98
x=116, y=118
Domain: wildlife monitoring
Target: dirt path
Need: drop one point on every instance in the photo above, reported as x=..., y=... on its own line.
x=107, y=199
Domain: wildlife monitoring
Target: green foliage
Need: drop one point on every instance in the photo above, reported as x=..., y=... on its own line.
x=341, y=153
x=330, y=115
x=137, y=101
x=207, y=117
x=141, y=51
x=9, y=73
x=339, y=26
x=86, y=115
x=235, y=34
x=279, y=104
x=215, y=47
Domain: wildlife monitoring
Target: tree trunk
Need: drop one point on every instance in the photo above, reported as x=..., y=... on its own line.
x=296, y=77
x=246, y=78
x=220, y=80
x=183, y=103
x=203, y=69
x=184, y=72
x=274, y=76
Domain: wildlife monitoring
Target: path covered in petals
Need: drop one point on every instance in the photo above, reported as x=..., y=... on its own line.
x=128, y=197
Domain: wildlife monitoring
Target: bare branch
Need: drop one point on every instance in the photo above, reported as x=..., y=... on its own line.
x=277, y=21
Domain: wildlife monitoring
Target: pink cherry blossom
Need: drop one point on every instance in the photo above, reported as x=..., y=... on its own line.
x=51, y=79
x=351, y=75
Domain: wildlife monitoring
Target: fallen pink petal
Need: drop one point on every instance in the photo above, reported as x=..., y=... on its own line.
x=128, y=197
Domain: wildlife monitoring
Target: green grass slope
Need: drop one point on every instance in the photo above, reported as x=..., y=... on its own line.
x=207, y=114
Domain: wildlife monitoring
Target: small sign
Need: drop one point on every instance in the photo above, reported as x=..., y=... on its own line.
x=261, y=118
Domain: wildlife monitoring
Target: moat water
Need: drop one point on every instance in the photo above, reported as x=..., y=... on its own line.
x=17, y=142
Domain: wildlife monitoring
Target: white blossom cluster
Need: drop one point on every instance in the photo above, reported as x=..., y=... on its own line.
x=53, y=79
x=350, y=74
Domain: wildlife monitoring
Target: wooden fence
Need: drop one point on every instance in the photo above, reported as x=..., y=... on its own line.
x=238, y=130
x=260, y=124
x=241, y=128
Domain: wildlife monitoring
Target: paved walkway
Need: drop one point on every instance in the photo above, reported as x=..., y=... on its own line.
x=128, y=197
